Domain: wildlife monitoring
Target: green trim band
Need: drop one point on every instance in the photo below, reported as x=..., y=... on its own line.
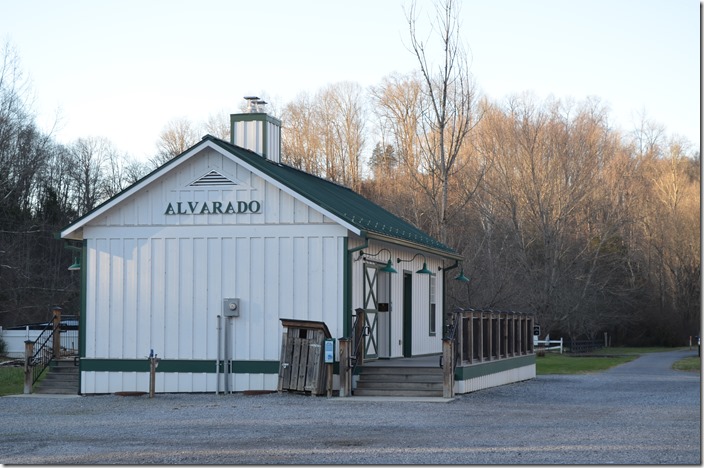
x=493, y=367
x=177, y=365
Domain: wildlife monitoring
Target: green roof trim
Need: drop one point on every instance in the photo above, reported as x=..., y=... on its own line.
x=341, y=201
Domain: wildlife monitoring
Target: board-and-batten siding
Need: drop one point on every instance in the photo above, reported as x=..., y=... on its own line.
x=157, y=282
x=148, y=207
x=422, y=342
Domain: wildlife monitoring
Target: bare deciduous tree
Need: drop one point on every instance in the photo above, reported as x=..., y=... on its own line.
x=178, y=135
x=218, y=125
x=448, y=109
x=325, y=134
x=300, y=141
x=89, y=159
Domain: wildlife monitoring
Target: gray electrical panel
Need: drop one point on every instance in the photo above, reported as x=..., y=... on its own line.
x=231, y=307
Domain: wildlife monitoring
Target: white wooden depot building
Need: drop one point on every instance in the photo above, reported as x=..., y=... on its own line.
x=226, y=225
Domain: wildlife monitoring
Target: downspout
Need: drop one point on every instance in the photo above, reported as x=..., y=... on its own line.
x=217, y=360
x=444, y=295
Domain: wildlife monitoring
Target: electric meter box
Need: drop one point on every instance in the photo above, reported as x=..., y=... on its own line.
x=231, y=307
x=329, y=351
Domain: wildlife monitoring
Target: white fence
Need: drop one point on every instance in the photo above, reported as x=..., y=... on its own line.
x=547, y=344
x=14, y=340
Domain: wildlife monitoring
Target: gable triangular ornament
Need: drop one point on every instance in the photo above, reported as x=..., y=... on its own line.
x=212, y=178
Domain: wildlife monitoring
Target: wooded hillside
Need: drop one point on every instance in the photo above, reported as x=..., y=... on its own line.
x=554, y=209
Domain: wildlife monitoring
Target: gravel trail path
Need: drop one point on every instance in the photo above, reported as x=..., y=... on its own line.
x=642, y=412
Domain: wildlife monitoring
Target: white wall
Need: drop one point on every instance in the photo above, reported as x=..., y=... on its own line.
x=157, y=281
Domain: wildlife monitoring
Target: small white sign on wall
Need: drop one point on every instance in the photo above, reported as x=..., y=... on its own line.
x=329, y=351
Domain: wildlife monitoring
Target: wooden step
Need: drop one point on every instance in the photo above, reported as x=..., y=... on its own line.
x=62, y=377
x=381, y=370
x=397, y=393
x=420, y=378
x=399, y=381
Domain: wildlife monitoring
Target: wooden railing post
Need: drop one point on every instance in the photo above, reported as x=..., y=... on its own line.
x=153, y=364
x=345, y=369
x=57, y=332
x=28, y=354
x=448, y=368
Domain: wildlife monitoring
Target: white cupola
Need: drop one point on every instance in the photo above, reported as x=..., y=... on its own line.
x=257, y=131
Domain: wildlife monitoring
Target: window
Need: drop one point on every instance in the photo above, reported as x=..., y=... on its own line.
x=431, y=318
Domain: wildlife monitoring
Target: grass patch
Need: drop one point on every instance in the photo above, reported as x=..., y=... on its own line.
x=11, y=380
x=638, y=351
x=603, y=359
x=553, y=363
x=690, y=364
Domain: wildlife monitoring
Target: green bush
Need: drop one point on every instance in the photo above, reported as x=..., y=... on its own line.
x=3, y=347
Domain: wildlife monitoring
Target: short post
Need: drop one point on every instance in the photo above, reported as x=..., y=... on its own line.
x=329, y=360
x=448, y=369
x=57, y=332
x=153, y=364
x=345, y=369
x=28, y=354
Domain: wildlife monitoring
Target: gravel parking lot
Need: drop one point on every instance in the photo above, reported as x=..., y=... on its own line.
x=638, y=413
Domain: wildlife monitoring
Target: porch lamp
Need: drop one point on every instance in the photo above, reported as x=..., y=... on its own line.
x=461, y=277
x=422, y=271
x=388, y=268
x=76, y=265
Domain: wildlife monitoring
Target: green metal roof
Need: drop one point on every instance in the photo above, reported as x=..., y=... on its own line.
x=372, y=220
x=340, y=201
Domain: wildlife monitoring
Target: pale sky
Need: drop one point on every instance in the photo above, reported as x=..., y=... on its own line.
x=123, y=69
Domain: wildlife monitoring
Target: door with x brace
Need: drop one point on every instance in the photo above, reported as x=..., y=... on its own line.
x=371, y=306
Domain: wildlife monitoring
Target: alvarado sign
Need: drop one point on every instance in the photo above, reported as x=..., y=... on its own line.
x=214, y=207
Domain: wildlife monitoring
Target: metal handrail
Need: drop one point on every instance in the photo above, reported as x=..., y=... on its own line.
x=356, y=343
x=452, y=336
x=44, y=353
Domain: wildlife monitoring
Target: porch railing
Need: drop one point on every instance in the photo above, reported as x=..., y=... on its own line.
x=481, y=335
x=42, y=351
x=450, y=355
x=48, y=346
x=352, y=351
x=360, y=332
x=489, y=334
